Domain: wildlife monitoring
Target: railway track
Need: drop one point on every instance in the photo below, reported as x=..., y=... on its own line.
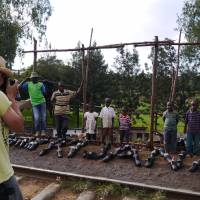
x=46, y=180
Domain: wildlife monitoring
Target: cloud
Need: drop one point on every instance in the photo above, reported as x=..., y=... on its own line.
x=114, y=21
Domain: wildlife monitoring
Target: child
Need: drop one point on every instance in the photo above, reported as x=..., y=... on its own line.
x=90, y=124
x=107, y=115
x=192, y=128
x=124, y=125
x=170, y=118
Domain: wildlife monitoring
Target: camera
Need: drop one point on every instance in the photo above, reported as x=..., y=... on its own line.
x=11, y=81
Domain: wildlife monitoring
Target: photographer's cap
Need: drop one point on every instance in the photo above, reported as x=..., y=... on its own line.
x=3, y=68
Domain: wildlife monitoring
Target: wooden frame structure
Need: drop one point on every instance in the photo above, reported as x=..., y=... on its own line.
x=154, y=44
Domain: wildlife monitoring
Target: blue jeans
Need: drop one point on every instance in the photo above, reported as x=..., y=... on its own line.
x=193, y=143
x=9, y=190
x=39, y=114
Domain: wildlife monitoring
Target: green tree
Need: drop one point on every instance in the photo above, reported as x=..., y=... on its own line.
x=127, y=66
x=166, y=61
x=20, y=19
x=189, y=22
x=98, y=75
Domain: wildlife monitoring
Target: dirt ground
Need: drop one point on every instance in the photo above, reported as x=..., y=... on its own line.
x=31, y=186
x=122, y=169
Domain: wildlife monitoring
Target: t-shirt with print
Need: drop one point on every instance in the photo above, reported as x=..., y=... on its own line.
x=107, y=114
x=171, y=120
x=6, y=170
x=62, y=101
x=124, y=122
x=90, y=122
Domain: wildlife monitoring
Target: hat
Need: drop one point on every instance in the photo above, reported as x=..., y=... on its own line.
x=34, y=75
x=3, y=68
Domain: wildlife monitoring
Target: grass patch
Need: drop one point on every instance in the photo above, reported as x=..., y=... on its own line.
x=142, y=120
x=106, y=191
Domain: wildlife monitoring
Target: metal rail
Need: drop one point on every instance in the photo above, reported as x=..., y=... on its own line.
x=186, y=194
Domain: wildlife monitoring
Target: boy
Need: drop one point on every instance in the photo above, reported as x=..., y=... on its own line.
x=124, y=125
x=107, y=115
x=192, y=129
x=90, y=123
x=170, y=118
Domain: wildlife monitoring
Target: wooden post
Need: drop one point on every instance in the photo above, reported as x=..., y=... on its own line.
x=88, y=62
x=177, y=68
x=172, y=84
x=153, y=94
x=35, y=54
x=83, y=78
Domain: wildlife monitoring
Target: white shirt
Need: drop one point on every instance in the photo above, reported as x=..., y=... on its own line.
x=107, y=114
x=90, y=122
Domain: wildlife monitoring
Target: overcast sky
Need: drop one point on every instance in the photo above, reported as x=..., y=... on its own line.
x=113, y=21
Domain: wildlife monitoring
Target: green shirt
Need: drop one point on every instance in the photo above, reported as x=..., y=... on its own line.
x=170, y=120
x=35, y=93
x=6, y=170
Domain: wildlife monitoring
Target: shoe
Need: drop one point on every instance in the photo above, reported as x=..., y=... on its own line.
x=136, y=160
x=174, y=166
x=179, y=162
x=43, y=134
x=162, y=152
x=194, y=167
x=90, y=155
x=109, y=157
x=37, y=134
x=149, y=162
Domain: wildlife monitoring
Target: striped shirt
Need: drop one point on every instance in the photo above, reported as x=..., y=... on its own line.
x=124, y=122
x=192, y=120
x=62, y=101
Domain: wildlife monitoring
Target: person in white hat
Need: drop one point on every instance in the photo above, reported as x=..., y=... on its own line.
x=10, y=119
x=37, y=94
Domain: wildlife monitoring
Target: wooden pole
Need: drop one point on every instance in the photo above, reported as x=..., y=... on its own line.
x=177, y=68
x=153, y=94
x=87, y=67
x=113, y=46
x=83, y=78
x=172, y=84
x=35, y=54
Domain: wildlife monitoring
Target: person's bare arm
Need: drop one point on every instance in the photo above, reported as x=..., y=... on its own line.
x=13, y=117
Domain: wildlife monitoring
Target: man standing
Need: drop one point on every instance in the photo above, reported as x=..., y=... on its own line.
x=192, y=129
x=107, y=115
x=10, y=118
x=61, y=99
x=170, y=118
x=37, y=94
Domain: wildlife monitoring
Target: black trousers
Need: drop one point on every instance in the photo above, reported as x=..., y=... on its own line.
x=62, y=122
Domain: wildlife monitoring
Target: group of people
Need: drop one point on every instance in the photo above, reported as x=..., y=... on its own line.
x=191, y=128
x=12, y=119
x=61, y=98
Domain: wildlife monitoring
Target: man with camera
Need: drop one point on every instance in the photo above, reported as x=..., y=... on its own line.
x=10, y=119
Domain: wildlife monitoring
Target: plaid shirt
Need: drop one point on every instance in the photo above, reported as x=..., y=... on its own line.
x=192, y=120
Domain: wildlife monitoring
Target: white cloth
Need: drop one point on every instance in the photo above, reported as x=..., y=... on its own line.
x=90, y=122
x=107, y=114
